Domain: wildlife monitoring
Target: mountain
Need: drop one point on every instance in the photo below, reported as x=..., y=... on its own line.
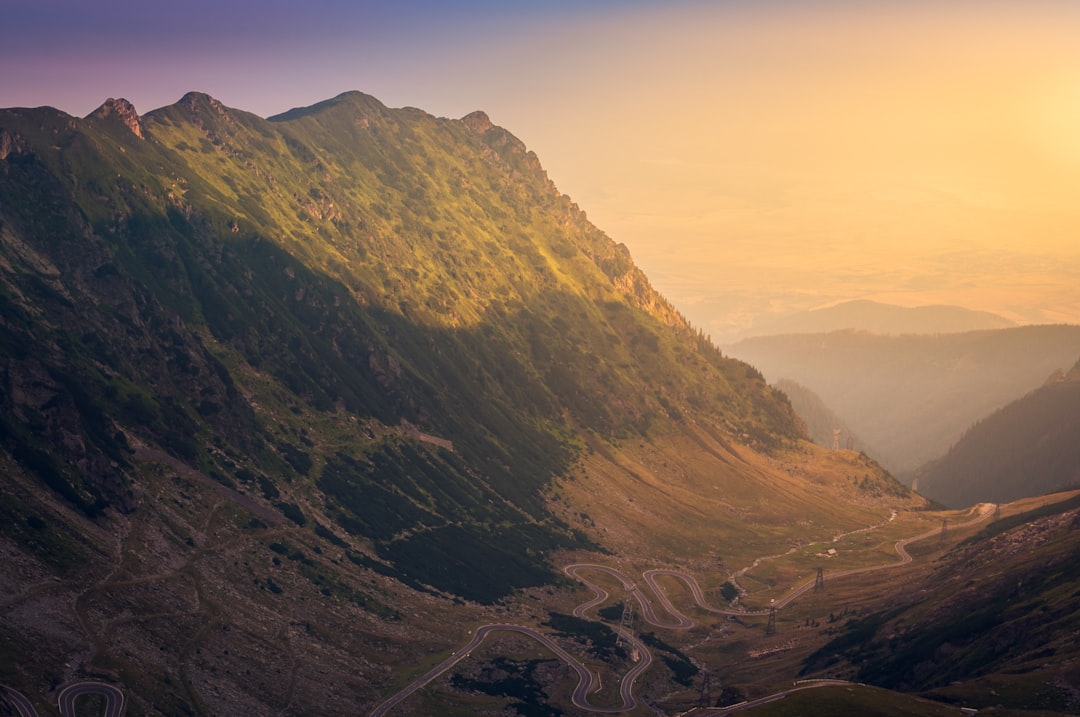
x=822, y=424
x=292, y=405
x=879, y=318
x=992, y=624
x=911, y=397
x=1029, y=447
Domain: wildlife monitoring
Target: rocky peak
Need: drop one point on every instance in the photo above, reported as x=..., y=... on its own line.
x=123, y=111
x=200, y=102
x=10, y=144
x=477, y=122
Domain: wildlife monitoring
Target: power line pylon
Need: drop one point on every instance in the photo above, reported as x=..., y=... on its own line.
x=706, y=692
x=819, y=583
x=836, y=439
x=944, y=528
x=770, y=629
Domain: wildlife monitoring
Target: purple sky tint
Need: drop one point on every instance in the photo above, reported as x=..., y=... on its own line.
x=264, y=56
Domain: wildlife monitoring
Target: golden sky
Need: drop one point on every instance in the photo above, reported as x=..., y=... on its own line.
x=756, y=156
x=765, y=161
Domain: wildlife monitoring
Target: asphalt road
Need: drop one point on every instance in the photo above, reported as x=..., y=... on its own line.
x=776, y=696
x=114, y=699
x=18, y=700
x=589, y=682
x=985, y=510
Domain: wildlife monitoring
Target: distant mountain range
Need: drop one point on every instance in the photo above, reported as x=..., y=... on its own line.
x=879, y=318
x=912, y=396
x=1029, y=447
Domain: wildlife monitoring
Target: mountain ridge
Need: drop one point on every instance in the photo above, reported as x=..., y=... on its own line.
x=291, y=406
x=935, y=386
x=882, y=318
x=347, y=256
x=1025, y=448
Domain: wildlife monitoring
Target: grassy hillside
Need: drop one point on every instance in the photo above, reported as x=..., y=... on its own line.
x=292, y=406
x=289, y=406
x=219, y=283
x=992, y=624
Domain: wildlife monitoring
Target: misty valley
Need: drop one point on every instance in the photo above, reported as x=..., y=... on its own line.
x=350, y=411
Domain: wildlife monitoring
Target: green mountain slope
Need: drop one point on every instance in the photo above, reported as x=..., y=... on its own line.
x=1029, y=447
x=389, y=266
x=291, y=405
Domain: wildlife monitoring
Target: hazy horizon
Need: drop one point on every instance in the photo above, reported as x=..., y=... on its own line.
x=757, y=158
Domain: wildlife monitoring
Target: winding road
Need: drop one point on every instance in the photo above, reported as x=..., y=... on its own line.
x=589, y=682
x=114, y=699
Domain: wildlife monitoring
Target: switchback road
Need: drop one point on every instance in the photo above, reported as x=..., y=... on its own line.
x=114, y=699
x=589, y=682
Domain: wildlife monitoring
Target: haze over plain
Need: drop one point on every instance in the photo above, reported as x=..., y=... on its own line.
x=757, y=158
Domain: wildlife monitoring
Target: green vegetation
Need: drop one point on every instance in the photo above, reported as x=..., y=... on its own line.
x=851, y=700
x=600, y=639
x=1029, y=447
x=514, y=680
x=680, y=665
x=1000, y=604
x=289, y=405
x=228, y=285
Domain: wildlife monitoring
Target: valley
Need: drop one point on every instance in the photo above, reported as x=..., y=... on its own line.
x=640, y=657
x=294, y=409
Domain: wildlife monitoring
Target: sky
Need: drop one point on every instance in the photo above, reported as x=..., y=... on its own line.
x=758, y=157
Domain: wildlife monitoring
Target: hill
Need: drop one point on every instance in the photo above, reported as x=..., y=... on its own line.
x=879, y=318
x=290, y=405
x=911, y=397
x=824, y=427
x=990, y=625
x=1029, y=447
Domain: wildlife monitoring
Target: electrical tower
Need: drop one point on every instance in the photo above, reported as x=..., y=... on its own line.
x=706, y=692
x=944, y=528
x=836, y=439
x=770, y=629
x=997, y=511
x=819, y=584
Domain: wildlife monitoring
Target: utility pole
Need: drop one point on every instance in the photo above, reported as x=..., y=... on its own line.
x=819, y=584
